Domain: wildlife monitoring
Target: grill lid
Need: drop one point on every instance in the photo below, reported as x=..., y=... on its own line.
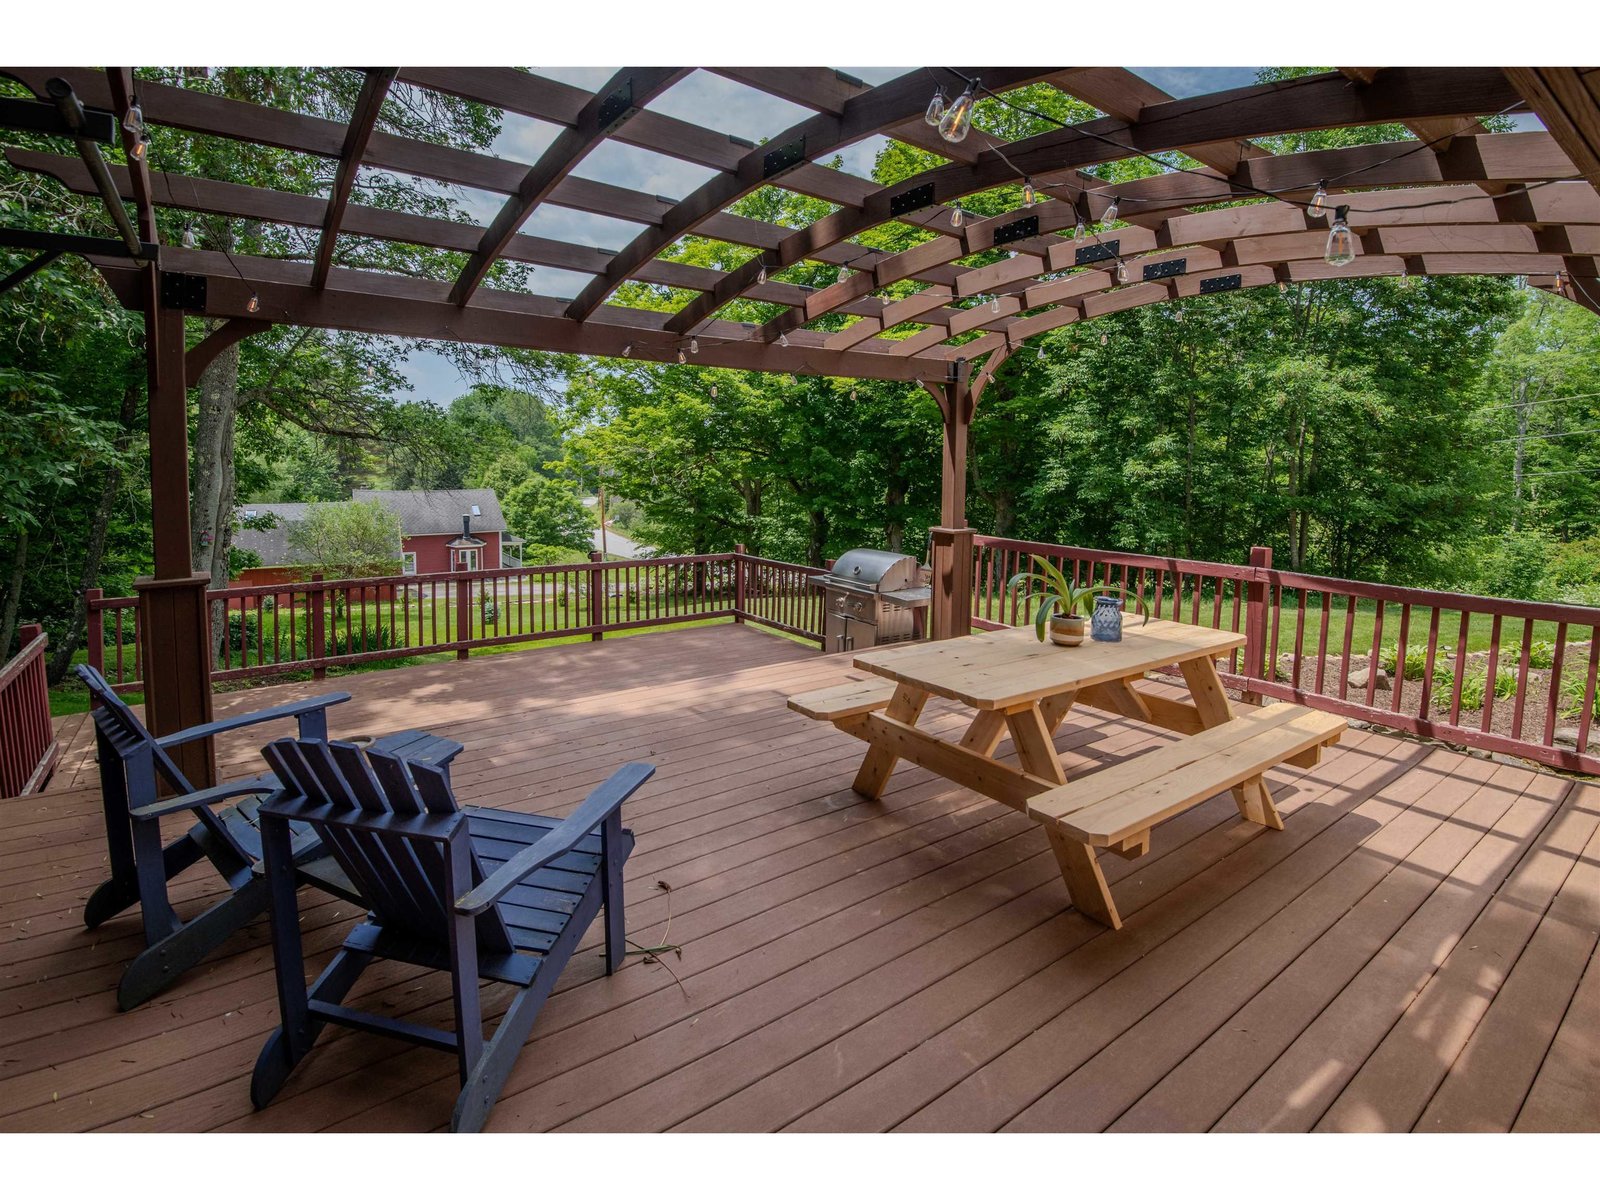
x=874, y=570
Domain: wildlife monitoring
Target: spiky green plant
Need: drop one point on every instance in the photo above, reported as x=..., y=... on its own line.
x=1056, y=594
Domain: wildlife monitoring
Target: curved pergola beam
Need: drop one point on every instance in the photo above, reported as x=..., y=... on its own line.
x=1290, y=106
x=1540, y=158
x=628, y=91
x=863, y=115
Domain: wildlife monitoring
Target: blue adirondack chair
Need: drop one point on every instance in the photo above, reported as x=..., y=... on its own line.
x=132, y=760
x=480, y=893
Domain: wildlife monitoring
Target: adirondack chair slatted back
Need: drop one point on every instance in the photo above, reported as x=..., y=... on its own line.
x=352, y=798
x=122, y=730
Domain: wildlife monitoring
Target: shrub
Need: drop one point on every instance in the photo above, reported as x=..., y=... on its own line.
x=1505, y=685
x=1473, y=688
x=1541, y=655
x=1416, y=660
x=1572, y=689
x=361, y=641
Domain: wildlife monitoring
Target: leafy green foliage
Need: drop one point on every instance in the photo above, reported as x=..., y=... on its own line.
x=548, y=512
x=349, y=540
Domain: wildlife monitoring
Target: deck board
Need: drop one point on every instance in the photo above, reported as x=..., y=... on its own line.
x=1416, y=949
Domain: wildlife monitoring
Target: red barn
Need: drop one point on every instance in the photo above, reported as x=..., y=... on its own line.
x=429, y=523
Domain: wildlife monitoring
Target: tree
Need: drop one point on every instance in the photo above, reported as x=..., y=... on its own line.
x=548, y=512
x=352, y=540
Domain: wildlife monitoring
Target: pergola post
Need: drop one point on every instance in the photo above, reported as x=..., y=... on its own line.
x=174, y=619
x=952, y=539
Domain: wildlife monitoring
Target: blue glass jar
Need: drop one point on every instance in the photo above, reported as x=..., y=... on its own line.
x=1105, y=625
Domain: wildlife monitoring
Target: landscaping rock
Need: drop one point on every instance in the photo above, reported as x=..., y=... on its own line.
x=1358, y=679
x=1566, y=735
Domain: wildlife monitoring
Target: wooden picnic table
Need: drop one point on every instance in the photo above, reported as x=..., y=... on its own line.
x=1021, y=686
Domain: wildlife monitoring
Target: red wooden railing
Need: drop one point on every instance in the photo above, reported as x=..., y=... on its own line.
x=28, y=746
x=1512, y=676
x=311, y=625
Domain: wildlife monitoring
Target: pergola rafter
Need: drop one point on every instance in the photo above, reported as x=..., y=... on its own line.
x=946, y=313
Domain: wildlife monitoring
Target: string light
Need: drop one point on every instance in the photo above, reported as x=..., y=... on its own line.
x=783, y=340
x=682, y=357
x=1030, y=197
x=843, y=275
x=956, y=217
x=189, y=238
x=133, y=119
x=1040, y=355
x=852, y=394
x=694, y=345
x=627, y=351
x=1319, y=201
x=994, y=303
x=1112, y=210
x=1283, y=288
x=761, y=275
x=957, y=119
x=141, y=146
x=1078, y=231
x=1104, y=339
x=254, y=303
x=935, y=112
x=1341, y=242
x=1122, y=271
x=713, y=391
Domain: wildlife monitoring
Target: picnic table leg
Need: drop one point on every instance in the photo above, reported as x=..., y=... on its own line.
x=1055, y=709
x=1211, y=702
x=1080, y=870
x=906, y=706
x=985, y=732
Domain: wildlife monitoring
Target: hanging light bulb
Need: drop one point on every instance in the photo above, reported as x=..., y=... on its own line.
x=371, y=371
x=1341, y=242
x=627, y=351
x=783, y=340
x=713, y=391
x=957, y=119
x=141, y=146
x=254, y=303
x=682, y=357
x=133, y=119
x=1112, y=210
x=956, y=217
x=694, y=345
x=1040, y=355
x=1319, y=200
x=994, y=303
x=189, y=238
x=1283, y=288
x=852, y=395
x=1030, y=197
x=1104, y=339
x=761, y=275
x=1122, y=271
x=935, y=112
x=1078, y=231
x=842, y=275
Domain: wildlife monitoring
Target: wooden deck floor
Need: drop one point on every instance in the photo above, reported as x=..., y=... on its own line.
x=1416, y=950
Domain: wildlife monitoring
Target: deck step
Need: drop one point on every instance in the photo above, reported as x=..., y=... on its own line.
x=844, y=699
x=1117, y=804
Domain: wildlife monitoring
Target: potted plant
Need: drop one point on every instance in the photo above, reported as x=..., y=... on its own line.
x=1062, y=606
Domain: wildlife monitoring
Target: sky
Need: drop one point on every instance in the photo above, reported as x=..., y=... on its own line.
x=708, y=100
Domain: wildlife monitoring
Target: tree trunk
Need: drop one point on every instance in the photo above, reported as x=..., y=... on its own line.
x=1517, y=464
x=19, y=570
x=816, y=536
x=211, y=493
x=95, y=547
x=894, y=530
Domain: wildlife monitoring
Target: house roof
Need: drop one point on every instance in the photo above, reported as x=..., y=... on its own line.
x=272, y=545
x=440, y=511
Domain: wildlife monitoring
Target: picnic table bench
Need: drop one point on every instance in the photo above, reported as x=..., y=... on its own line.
x=1024, y=688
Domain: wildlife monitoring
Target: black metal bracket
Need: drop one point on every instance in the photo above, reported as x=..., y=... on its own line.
x=1097, y=252
x=617, y=107
x=42, y=116
x=1170, y=269
x=783, y=158
x=1221, y=283
x=1015, y=231
x=184, y=292
x=911, y=200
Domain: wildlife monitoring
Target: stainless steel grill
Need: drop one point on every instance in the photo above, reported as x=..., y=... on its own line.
x=872, y=597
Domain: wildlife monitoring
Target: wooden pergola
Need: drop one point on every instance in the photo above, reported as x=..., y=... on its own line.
x=1453, y=198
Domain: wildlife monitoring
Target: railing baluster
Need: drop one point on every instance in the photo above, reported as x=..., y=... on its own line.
x=1493, y=673
x=1372, y=656
x=1554, y=699
x=1461, y=668
x=1401, y=654
x=1523, y=663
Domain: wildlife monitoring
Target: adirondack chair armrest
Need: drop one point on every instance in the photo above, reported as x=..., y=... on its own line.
x=588, y=816
x=204, y=799
x=298, y=708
